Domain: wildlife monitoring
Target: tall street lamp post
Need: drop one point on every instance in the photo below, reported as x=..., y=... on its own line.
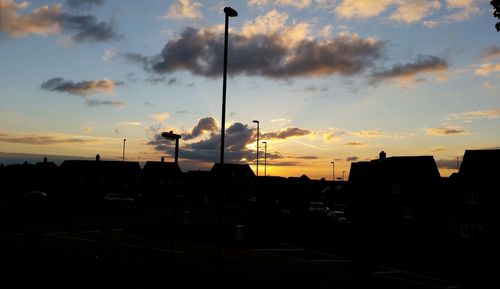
x=229, y=12
x=123, y=151
x=172, y=136
x=265, y=158
x=257, y=122
x=333, y=171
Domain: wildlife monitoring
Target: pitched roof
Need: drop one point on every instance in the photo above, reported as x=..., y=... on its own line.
x=233, y=170
x=480, y=162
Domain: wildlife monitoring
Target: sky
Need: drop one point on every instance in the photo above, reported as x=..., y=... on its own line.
x=328, y=80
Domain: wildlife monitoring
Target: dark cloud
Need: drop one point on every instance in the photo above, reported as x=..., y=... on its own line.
x=83, y=3
x=447, y=164
x=208, y=150
x=200, y=51
x=447, y=131
x=88, y=29
x=423, y=64
x=353, y=143
x=81, y=88
x=53, y=19
x=112, y=103
x=183, y=112
x=148, y=104
x=491, y=52
x=307, y=157
x=352, y=159
x=286, y=133
x=206, y=124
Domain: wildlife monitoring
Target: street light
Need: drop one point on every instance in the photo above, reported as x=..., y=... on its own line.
x=343, y=175
x=123, y=151
x=333, y=171
x=265, y=158
x=230, y=12
x=257, y=122
x=172, y=136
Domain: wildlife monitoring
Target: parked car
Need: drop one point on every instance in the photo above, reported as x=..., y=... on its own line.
x=35, y=195
x=118, y=198
x=318, y=208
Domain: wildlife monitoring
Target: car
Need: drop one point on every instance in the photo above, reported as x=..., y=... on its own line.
x=317, y=208
x=35, y=195
x=118, y=198
x=337, y=216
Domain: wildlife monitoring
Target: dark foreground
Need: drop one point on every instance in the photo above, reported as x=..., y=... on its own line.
x=64, y=245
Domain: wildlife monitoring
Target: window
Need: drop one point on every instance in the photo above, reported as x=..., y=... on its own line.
x=469, y=228
x=406, y=212
x=395, y=189
x=471, y=198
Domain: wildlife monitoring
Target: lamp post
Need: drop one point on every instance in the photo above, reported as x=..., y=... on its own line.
x=172, y=136
x=343, y=175
x=265, y=158
x=257, y=122
x=333, y=171
x=229, y=12
x=123, y=151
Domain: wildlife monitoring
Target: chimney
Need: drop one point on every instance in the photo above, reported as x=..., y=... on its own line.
x=382, y=155
x=45, y=160
x=162, y=159
x=97, y=157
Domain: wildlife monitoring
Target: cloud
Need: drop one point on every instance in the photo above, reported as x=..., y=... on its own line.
x=490, y=53
x=447, y=164
x=112, y=103
x=450, y=130
x=367, y=133
x=259, y=3
x=488, y=85
x=299, y=4
x=493, y=113
x=272, y=51
x=46, y=139
x=354, y=143
x=47, y=20
x=352, y=159
x=88, y=129
x=129, y=123
x=204, y=125
x=184, y=9
x=431, y=24
x=314, y=88
x=83, y=3
x=438, y=149
x=160, y=117
x=415, y=10
x=463, y=10
x=487, y=68
x=406, y=73
x=362, y=8
x=286, y=133
x=81, y=88
x=307, y=157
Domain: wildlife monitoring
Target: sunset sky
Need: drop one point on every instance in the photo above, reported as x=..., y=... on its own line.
x=329, y=80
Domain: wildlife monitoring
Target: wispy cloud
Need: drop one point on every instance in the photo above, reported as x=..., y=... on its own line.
x=492, y=113
x=299, y=4
x=83, y=3
x=96, y=102
x=407, y=73
x=487, y=69
x=490, y=53
x=449, y=130
x=160, y=117
x=367, y=133
x=438, y=149
x=184, y=9
x=47, y=139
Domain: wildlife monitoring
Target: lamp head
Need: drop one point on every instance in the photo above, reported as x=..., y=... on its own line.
x=256, y=121
x=230, y=12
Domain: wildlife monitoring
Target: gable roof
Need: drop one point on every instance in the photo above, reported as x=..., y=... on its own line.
x=233, y=170
x=480, y=162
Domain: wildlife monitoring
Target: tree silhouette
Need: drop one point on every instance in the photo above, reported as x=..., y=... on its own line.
x=496, y=13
